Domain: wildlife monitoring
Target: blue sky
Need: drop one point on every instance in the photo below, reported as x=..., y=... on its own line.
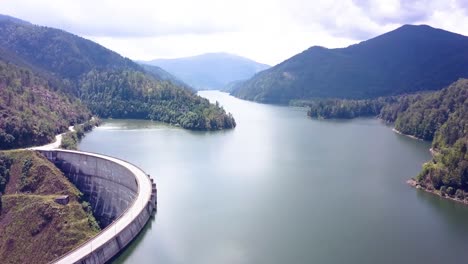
x=268, y=31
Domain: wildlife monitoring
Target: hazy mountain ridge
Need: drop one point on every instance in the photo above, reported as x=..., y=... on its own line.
x=210, y=70
x=408, y=59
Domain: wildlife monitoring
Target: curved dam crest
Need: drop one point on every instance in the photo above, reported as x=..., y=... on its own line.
x=122, y=196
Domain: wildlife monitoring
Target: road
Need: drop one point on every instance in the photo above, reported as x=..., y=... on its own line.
x=54, y=145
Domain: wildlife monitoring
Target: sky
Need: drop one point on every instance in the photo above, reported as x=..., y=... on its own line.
x=268, y=31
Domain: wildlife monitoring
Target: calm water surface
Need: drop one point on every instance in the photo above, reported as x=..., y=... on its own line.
x=282, y=188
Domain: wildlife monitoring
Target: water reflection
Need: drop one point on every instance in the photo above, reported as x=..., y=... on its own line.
x=282, y=188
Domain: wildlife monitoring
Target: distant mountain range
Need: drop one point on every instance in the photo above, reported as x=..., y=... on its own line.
x=408, y=59
x=211, y=70
x=50, y=79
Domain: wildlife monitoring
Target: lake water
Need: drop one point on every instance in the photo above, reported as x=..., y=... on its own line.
x=282, y=188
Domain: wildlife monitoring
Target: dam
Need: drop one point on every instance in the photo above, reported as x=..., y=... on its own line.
x=122, y=196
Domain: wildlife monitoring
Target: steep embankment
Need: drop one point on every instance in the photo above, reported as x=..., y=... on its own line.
x=438, y=116
x=35, y=228
x=408, y=59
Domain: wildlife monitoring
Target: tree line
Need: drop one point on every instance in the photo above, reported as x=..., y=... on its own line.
x=440, y=116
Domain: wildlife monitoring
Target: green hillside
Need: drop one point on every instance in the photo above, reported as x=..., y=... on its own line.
x=32, y=113
x=47, y=72
x=408, y=59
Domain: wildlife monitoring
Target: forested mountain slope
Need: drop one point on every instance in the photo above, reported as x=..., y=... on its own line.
x=58, y=70
x=31, y=112
x=408, y=59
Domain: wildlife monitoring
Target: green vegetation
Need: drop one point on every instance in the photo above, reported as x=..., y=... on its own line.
x=70, y=139
x=25, y=181
x=32, y=113
x=92, y=222
x=438, y=116
x=406, y=60
x=133, y=94
x=46, y=73
x=5, y=164
x=341, y=108
x=29, y=215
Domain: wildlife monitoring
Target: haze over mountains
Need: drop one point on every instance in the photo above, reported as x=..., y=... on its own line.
x=210, y=70
x=408, y=59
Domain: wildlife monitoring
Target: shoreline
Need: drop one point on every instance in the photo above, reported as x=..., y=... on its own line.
x=59, y=138
x=413, y=183
x=403, y=134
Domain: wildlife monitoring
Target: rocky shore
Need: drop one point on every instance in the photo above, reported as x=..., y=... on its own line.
x=415, y=184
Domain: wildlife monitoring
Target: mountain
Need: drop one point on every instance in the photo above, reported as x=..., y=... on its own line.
x=161, y=74
x=210, y=70
x=56, y=79
x=408, y=59
x=231, y=86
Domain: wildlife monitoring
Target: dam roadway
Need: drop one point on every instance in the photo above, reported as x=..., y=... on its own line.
x=120, y=193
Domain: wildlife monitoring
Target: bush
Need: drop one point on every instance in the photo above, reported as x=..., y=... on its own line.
x=459, y=194
x=5, y=164
x=443, y=190
x=450, y=191
x=27, y=165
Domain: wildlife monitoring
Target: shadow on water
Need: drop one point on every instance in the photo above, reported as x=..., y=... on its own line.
x=357, y=120
x=128, y=250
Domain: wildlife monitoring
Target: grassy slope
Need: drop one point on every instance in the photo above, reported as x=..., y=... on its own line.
x=35, y=229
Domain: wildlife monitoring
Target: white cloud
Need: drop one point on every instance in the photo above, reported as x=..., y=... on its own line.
x=266, y=30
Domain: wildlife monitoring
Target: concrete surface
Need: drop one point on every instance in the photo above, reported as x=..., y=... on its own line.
x=122, y=196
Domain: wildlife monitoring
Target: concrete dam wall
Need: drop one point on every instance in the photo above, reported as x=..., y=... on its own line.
x=109, y=187
x=122, y=196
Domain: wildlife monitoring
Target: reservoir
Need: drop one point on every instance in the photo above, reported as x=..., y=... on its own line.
x=283, y=188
